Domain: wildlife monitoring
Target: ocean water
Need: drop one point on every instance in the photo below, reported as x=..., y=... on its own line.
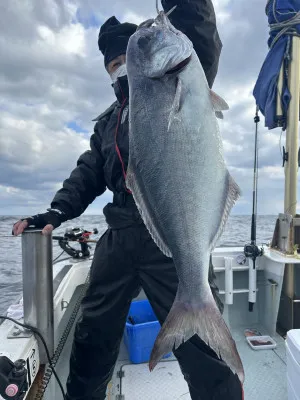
x=237, y=233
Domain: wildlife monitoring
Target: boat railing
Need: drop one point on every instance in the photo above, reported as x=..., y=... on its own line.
x=38, y=287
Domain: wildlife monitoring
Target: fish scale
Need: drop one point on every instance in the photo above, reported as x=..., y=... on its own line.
x=178, y=178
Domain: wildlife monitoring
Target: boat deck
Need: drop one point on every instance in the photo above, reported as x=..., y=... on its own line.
x=265, y=372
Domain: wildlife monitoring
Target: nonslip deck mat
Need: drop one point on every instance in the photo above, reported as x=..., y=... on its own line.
x=166, y=382
x=265, y=372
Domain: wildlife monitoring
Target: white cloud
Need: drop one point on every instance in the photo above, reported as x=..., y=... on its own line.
x=69, y=39
x=53, y=73
x=231, y=147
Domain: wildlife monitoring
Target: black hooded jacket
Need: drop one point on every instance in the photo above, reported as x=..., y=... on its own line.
x=104, y=165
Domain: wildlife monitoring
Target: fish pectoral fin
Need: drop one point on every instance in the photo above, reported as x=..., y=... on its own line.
x=219, y=114
x=176, y=103
x=189, y=318
x=218, y=103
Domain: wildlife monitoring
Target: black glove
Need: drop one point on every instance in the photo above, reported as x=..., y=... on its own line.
x=53, y=217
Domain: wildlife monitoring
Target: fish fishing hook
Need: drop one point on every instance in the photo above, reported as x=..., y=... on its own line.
x=168, y=13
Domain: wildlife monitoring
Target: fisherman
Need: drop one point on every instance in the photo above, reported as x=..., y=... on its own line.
x=126, y=258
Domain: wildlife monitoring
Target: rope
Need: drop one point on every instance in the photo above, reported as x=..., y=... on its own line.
x=55, y=259
x=285, y=27
x=49, y=371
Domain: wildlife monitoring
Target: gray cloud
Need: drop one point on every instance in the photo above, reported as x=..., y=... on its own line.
x=52, y=73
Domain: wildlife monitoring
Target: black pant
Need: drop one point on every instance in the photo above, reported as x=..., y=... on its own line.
x=126, y=260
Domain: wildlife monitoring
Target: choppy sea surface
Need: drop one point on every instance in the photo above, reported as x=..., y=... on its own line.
x=237, y=233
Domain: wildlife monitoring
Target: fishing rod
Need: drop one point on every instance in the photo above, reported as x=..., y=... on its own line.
x=251, y=250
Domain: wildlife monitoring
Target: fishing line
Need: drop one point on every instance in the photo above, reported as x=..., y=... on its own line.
x=166, y=14
x=9, y=236
x=58, y=256
x=55, y=259
x=157, y=8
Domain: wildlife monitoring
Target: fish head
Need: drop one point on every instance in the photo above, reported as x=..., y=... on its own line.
x=156, y=48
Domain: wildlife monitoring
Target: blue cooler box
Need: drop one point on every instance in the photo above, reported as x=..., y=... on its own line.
x=141, y=330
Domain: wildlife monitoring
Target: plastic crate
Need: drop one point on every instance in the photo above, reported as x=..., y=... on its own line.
x=141, y=330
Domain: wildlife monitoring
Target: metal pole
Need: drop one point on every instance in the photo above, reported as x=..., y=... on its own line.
x=228, y=281
x=279, y=112
x=38, y=286
x=291, y=166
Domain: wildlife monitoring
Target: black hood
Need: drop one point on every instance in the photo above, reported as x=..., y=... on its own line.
x=113, y=38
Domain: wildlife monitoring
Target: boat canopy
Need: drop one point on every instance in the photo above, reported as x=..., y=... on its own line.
x=284, y=22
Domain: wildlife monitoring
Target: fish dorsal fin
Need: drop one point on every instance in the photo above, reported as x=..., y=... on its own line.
x=218, y=103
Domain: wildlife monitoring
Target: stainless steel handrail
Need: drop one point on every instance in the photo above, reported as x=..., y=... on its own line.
x=38, y=286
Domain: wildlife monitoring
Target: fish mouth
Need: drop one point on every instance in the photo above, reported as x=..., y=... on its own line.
x=179, y=66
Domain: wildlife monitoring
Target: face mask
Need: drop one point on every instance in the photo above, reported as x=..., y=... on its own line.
x=121, y=88
x=121, y=71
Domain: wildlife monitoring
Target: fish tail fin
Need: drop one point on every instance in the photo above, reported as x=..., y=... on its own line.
x=187, y=318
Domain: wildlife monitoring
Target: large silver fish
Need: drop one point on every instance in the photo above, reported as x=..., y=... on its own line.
x=178, y=177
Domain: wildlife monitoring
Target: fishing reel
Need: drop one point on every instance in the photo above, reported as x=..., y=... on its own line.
x=252, y=251
x=78, y=235
x=13, y=379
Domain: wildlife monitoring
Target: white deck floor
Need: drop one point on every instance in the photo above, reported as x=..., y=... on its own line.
x=265, y=372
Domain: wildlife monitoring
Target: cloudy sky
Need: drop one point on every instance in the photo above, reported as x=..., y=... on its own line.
x=53, y=83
